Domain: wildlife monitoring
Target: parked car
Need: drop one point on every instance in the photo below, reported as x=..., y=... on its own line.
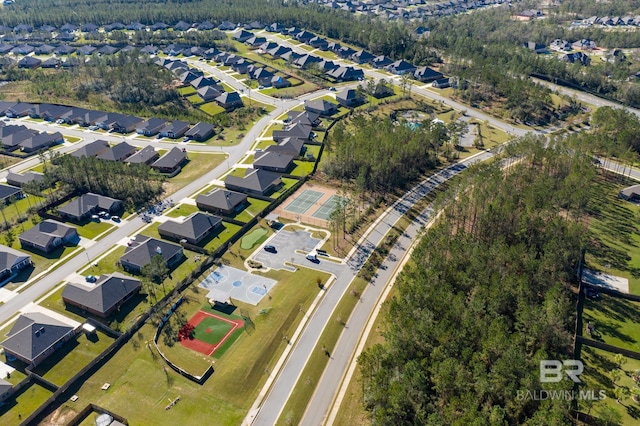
x=115, y=219
x=333, y=89
x=270, y=248
x=90, y=279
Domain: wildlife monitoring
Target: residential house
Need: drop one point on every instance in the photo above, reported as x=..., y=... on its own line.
x=426, y=74
x=584, y=44
x=4, y=106
x=17, y=179
x=150, y=49
x=275, y=28
x=614, y=56
x=290, y=146
x=146, y=155
x=206, y=26
x=140, y=251
x=201, y=132
x=12, y=261
x=242, y=36
x=241, y=66
x=278, y=82
x=227, y=26
x=104, y=297
x=89, y=28
x=576, y=58
x=47, y=236
x=306, y=60
x=263, y=76
x=321, y=106
x=86, y=50
x=118, y=152
x=107, y=50
x=350, y=98
x=8, y=193
x=401, y=67
x=44, y=49
x=92, y=149
x=48, y=112
x=267, y=46
x=230, y=100
x=280, y=162
x=108, y=120
x=35, y=336
x=51, y=63
x=209, y=93
x=255, y=41
x=381, y=61
x=441, y=83
x=84, y=206
x=29, y=62
x=222, y=201
x=126, y=124
x=171, y=162
x=194, y=229
x=151, y=127
x=255, y=181
x=535, y=47
x=560, y=45
x=631, y=193
x=362, y=57
x=64, y=49
x=202, y=81
x=116, y=26
x=278, y=51
x=6, y=390
x=22, y=49
x=175, y=129
x=293, y=130
x=304, y=36
x=12, y=136
x=68, y=28
x=346, y=74
x=41, y=141
x=319, y=43
x=136, y=26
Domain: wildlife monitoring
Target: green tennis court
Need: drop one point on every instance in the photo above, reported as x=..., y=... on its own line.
x=327, y=208
x=212, y=330
x=304, y=201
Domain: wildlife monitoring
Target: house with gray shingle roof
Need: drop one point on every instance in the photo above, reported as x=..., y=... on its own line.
x=146, y=155
x=280, y=162
x=201, y=132
x=142, y=249
x=222, y=201
x=171, y=161
x=41, y=141
x=6, y=390
x=12, y=262
x=119, y=152
x=48, y=235
x=35, y=336
x=256, y=181
x=92, y=149
x=7, y=192
x=193, y=229
x=17, y=179
x=103, y=297
x=175, y=129
x=87, y=204
x=151, y=127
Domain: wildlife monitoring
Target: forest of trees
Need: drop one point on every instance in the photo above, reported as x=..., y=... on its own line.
x=485, y=297
x=135, y=184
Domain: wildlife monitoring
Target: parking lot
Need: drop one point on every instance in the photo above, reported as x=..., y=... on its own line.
x=286, y=244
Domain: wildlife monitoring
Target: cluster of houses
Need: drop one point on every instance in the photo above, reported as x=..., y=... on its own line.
x=17, y=136
x=574, y=52
x=329, y=68
x=612, y=21
x=408, y=9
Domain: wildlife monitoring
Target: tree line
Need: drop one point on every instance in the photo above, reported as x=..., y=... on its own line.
x=485, y=298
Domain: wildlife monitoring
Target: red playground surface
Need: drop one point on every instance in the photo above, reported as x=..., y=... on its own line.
x=204, y=347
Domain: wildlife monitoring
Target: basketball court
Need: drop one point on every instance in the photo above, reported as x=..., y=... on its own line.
x=226, y=282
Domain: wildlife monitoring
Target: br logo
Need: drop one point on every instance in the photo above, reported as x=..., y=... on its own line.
x=551, y=370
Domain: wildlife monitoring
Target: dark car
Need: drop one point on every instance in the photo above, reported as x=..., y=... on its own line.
x=271, y=249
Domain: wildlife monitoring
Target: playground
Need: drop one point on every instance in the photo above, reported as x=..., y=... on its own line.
x=211, y=332
x=226, y=282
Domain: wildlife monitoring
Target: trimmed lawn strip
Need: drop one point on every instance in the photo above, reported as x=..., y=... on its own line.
x=92, y=229
x=287, y=183
x=186, y=90
x=199, y=164
x=211, y=108
x=182, y=210
x=303, y=168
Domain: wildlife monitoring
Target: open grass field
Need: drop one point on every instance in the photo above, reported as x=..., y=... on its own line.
x=287, y=183
x=199, y=164
x=615, y=247
x=616, y=320
x=195, y=99
x=211, y=330
x=92, y=229
x=182, y=210
x=239, y=374
x=186, y=90
x=302, y=168
x=211, y=108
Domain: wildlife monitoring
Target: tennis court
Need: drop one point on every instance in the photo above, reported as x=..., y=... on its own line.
x=327, y=208
x=304, y=201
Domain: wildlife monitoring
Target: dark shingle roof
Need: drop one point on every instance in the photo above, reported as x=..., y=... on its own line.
x=7, y=191
x=254, y=180
x=117, y=152
x=86, y=203
x=193, y=227
x=45, y=232
x=34, y=333
x=222, y=199
x=91, y=149
x=271, y=159
x=143, y=156
x=104, y=294
x=142, y=250
x=171, y=159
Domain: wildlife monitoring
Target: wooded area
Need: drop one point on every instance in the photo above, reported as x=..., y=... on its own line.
x=485, y=297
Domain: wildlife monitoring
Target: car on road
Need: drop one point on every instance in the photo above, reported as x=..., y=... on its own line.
x=90, y=278
x=333, y=89
x=270, y=249
x=260, y=87
x=115, y=219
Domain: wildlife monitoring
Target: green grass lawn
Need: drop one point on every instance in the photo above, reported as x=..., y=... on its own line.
x=313, y=149
x=65, y=362
x=182, y=210
x=92, y=229
x=252, y=239
x=614, y=231
x=106, y=265
x=287, y=183
x=195, y=99
x=617, y=321
x=303, y=168
x=253, y=209
x=187, y=90
x=211, y=108
x=217, y=240
x=71, y=139
x=138, y=370
x=598, y=365
x=265, y=143
x=199, y=164
x=18, y=407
